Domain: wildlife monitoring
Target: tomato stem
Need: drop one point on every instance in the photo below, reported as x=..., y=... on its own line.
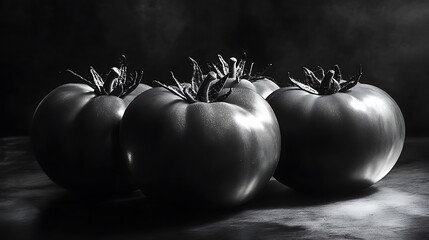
x=171, y=89
x=117, y=82
x=232, y=68
x=98, y=81
x=178, y=85
x=337, y=71
x=241, y=65
x=188, y=95
x=251, y=68
x=89, y=83
x=331, y=82
x=111, y=80
x=203, y=92
x=212, y=67
x=197, y=76
x=311, y=79
x=223, y=64
x=322, y=71
x=326, y=82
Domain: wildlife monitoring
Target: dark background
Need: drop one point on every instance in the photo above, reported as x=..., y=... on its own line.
x=40, y=39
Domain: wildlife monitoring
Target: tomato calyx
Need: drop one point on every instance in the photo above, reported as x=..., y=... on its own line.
x=331, y=82
x=117, y=82
x=201, y=89
x=237, y=71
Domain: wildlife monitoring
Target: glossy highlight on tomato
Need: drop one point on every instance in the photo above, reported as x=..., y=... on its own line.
x=75, y=131
x=337, y=135
x=200, y=144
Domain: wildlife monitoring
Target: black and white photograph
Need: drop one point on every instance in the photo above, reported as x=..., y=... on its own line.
x=214, y=120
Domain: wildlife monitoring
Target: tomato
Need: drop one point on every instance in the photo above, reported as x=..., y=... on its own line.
x=198, y=144
x=337, y=135
x=237, y=78
x=75, y=133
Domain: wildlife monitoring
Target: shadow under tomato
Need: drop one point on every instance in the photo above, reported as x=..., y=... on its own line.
x=72, y=215
x=136, y=215
x=276, y=195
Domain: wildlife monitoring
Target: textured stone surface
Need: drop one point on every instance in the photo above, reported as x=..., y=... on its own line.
x=32, y=207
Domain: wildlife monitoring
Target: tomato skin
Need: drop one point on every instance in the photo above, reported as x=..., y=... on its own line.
x=265, y=87
x=74, y=134
x=219, y=153
x=337, y=143
x=262, y=86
